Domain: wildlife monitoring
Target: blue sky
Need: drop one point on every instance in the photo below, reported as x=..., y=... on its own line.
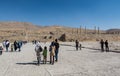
x=74, y=13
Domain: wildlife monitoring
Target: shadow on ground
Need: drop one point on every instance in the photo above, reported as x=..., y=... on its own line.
x=115, y=51
x=29, y=63
x=33, y=63
x=67, y=45
x=99, y=50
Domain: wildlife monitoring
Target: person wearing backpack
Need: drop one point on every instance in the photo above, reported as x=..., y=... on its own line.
x=38, y=50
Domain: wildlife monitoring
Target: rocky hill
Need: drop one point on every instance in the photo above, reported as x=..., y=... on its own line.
x=28, y=31
x=113, y=31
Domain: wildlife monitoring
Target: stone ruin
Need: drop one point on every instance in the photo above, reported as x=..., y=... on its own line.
x=62, y=37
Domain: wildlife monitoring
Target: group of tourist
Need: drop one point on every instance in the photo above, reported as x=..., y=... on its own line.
x=16, y=45
x=53, y=50
x=106, y=46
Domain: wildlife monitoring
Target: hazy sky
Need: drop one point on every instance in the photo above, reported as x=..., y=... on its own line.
x=89, y=13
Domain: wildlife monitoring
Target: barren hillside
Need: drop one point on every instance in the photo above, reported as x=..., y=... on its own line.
x=27, y=31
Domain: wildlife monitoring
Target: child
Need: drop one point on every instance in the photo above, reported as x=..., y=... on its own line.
x=12, y=47
x=45, y=55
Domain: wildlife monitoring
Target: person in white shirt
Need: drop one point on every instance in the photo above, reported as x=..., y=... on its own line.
x=7, y=43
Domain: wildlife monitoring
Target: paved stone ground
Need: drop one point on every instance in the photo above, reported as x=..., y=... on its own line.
x=85, y=62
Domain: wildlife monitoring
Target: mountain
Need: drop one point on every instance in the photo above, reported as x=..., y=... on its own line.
x=16, y=25
x=112, y=31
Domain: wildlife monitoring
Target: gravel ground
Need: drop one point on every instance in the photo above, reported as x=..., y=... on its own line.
x=86, y=62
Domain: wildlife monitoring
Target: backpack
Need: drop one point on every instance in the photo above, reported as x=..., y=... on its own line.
x=38, y=49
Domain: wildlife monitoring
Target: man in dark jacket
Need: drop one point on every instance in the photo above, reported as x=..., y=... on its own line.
x=56, y=49
x=106, y=46
x=15, y=45
x=77, y=43
x=102, y=45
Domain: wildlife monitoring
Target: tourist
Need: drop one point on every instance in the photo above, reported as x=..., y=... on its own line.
x=7, y=43
x=15, y=45
x=80, y=46
x=3, y=43
x=45, y=55
x=1, y=49
x=106, y=46
x=19, y=45
x=56, y=49
x=38, y=50
x=102, y=45
x=12, y=47
x=52, y=52
x=77, y=44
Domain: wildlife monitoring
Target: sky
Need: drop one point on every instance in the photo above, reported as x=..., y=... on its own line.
x=104, y=14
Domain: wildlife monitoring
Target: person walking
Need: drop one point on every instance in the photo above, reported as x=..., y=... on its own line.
x=4, y=44
x=7, y=43
x=15, y=45
x=52, y=52
x=19, y=45
x=77, y=43
x=1, y=49
x=56, y=49
x=38, y=50
x=106, y=46
x=102, y=45
x=45, y=55
x=80, y=46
